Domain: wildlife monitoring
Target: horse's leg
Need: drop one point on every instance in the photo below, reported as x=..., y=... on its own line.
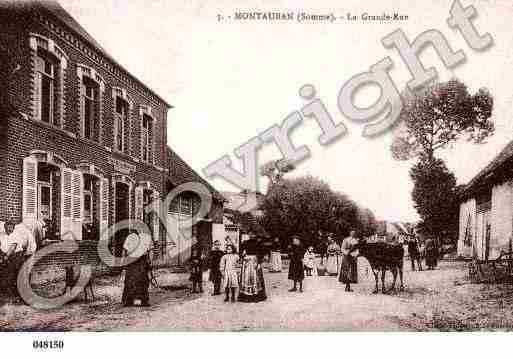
x=376, y=278
x=394, y=273
x=401, y=288
x=383, y=272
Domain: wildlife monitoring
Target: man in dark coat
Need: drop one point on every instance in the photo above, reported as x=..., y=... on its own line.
x=414, y=253
x=215, y=272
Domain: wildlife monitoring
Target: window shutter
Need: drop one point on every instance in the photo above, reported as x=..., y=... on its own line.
x=29, y=190
x=78, y=203
x=104, y=204
x=66, y=203
x=139, y=210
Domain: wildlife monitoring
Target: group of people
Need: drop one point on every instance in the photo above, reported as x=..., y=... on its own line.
x=302, y=262
x=240, y=276
x=430, y=251
x=341, y=260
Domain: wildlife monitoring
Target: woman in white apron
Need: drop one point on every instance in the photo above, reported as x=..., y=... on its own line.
x=333, y=253
x=276, y=265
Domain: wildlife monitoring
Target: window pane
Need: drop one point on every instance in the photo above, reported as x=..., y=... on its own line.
x=45, y=196
x=87, y=184
x=44, y=173
x=145, y=145
x=119, y=134
x=121, y=106
x=46, y=99
x=88, y=118
x=48, y=68
x=87, y=203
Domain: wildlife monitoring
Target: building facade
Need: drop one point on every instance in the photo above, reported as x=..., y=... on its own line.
x=486, y=210
x=83, y=140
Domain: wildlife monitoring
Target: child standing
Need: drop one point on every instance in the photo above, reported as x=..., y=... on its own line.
x=196, y=277
x=309, y=261
x=228, y=267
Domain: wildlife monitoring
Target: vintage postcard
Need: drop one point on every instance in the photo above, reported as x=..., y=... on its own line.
x=285, y=166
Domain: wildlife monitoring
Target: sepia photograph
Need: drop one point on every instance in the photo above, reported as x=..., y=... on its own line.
x=255, y=166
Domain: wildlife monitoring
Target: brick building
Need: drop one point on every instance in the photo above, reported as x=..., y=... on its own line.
x=83, y=140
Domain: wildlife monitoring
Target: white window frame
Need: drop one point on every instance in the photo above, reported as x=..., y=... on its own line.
x=84, y=71
x=94, y=100
x=40, y=76
x=150, y=143
x=37, y=42
x=121, y=94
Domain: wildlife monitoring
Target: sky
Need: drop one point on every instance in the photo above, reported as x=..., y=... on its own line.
x=230, y=80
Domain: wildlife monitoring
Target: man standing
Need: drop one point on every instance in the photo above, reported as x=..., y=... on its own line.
x=414, y=253
x=215, y=275
x=14, y=244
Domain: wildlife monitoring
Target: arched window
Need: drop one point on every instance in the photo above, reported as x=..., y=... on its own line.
x=92, y=88
x=122, y=109
x=50, y=63
x=147, y=134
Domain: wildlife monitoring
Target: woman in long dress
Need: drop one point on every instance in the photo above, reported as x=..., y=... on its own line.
x=252, y=285
x=137, y=281
x=431, y=254
x=276, y=264
x=296, y=268
x=348, y=267
x=332, y=254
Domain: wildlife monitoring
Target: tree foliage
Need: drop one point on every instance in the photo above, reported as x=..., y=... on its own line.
x=438, y=115
x=307, y=206
x=435, y=198
x=275, y=170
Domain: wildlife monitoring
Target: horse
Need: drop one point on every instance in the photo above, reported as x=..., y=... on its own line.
x=382, y=257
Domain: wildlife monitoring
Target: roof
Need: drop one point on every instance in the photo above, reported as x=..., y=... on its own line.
x=55, y=9
x=385, y=227
x=236, y=199
x=487, y=171
x=180, y=172
x=381, y=228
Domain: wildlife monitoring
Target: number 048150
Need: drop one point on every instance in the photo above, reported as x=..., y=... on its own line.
x=48, y=344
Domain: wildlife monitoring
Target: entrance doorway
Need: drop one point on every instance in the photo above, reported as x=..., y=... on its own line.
x=48, y=198
x=482, y=249
x=91, y=209
x=122, y=213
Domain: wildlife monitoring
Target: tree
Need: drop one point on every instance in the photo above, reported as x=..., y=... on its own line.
x=306, y=206
x=435, y=198
x=275, y=170
x=367, y=224
x=438, y=115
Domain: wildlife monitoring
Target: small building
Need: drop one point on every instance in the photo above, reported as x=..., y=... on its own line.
x=401, y=231
x=486, y=209
x=183, y=207
x=238, y=224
